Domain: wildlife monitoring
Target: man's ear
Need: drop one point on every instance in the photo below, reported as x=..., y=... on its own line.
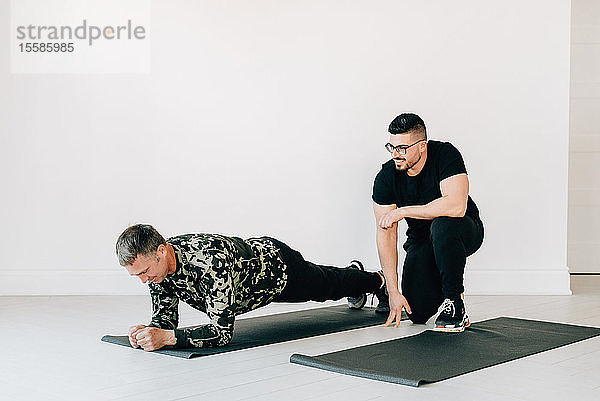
x=162, y=250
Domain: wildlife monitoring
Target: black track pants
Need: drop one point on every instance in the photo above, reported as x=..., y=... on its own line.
x=434, y=266
x=311, y=282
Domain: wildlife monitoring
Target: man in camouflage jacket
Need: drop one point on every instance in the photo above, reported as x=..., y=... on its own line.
x=224, y=277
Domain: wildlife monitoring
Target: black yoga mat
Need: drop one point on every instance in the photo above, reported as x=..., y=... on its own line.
x=272, y=329
x=432, y=356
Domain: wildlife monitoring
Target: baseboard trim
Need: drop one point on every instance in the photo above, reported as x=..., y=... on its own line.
x=114, y=282
x=518, y=282
x=69, y=282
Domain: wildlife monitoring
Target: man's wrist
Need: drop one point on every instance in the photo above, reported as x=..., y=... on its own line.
x=391, y=280
x=402, y=212
x=171, y=339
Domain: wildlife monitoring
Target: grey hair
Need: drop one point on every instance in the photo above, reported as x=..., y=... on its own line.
x=140, y=239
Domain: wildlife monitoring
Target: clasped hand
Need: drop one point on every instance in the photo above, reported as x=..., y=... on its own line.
x=150, y=338
x=391, y=217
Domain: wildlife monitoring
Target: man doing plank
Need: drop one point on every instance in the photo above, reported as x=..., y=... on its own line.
x=227, y=276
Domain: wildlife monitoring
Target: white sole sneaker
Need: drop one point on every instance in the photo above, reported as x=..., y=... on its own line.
x=357, y=303
x=453, y=329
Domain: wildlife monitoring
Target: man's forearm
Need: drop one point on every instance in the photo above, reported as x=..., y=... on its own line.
x=387, y=248
x=203, y=336
x=165, y=311
x=443, y=206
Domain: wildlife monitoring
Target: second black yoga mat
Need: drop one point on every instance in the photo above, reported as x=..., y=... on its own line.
x=271, y=329
x=431, y=356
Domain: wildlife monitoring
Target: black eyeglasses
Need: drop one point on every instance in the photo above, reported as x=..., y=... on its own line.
x=401, y=149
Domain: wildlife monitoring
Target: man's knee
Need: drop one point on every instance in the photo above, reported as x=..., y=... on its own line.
x=444, y=228
x=418, y=317
x=421, y=313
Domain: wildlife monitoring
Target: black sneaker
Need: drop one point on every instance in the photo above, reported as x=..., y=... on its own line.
x=383, y=297
x=453, y=317
x=360, y=301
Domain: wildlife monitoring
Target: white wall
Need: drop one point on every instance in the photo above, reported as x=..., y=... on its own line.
x=269, y=117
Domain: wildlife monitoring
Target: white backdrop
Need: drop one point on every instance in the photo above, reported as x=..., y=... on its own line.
x=269, y=117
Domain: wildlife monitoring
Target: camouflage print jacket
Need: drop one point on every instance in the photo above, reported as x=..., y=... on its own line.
x=221, y=276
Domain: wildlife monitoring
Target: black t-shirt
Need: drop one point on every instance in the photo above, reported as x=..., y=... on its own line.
x=396, y=187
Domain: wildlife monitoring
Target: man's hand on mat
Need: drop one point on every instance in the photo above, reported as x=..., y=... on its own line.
x=391, y=217
x=132, y=332
x=397, y=302
x=153, y=338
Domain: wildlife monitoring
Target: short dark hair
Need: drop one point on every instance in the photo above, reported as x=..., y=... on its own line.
x=408, y=123
x=139, y=239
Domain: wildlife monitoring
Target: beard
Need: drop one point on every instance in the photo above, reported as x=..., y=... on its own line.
x=401, y=167
x=406, y=164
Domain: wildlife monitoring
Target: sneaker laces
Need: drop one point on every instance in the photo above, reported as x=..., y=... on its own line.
x=371, y=299
x=448, y=307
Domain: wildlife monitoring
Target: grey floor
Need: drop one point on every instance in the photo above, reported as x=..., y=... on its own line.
x=51, y=350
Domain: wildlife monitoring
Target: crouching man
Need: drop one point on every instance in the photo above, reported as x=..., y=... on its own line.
x=425, y=183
